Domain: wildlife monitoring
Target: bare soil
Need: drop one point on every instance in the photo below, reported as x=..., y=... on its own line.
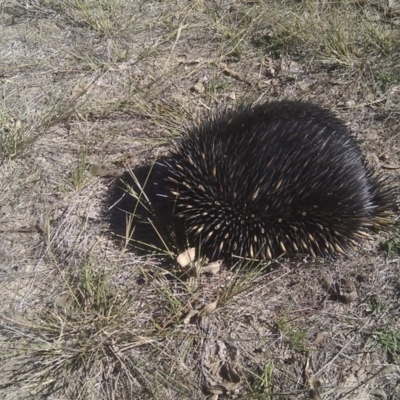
x=93, y=89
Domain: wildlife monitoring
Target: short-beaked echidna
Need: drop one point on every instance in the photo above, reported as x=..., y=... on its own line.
x=281, y=177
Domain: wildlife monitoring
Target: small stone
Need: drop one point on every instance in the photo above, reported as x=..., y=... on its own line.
x=199, y=87
x=349, y=103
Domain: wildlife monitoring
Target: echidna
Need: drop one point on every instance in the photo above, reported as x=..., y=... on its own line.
x=281, y=177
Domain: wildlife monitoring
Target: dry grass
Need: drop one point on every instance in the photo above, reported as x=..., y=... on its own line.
x=91, y=89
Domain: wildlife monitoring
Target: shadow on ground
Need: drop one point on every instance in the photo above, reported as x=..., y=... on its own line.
x=138, y=211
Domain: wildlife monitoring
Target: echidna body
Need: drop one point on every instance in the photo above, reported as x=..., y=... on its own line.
x=282, y=177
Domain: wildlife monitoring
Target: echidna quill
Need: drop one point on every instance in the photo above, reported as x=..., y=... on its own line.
x=281, y=177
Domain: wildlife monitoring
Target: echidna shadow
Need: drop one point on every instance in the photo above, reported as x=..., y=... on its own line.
x=137, y=210
x=277, y=178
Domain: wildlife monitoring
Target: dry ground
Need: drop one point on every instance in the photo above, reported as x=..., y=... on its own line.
x=92, y=88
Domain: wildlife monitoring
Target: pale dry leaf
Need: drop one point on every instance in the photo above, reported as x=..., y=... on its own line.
x=389, y=369
x=211, y=268
x=360, y=373
x=349, y=104
x=186, y=257
x=230, y=386
x=350, y=380
x=214, y=367
x=328, y=280
x=319, y=337
x=198, y=87
x=307, y=368
x=216, y=389
x=79, y=89
x=390, y=166
x=350, y=297
x=189, y=316
x=213, y=397
x=5, y=210
x=224, y=388
x=63, y=301
x=232, y=73
x=105, y=172
x=378, y=393
x=235, y=386
x=209, y=308
x=4, y=228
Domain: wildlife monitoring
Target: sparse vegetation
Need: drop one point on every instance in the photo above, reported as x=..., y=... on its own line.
x=389, y=339
x=95, y=89
x=77, y=345
x=291, y=334
x=79, y=173
x=375, y=307
x=393, y=244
